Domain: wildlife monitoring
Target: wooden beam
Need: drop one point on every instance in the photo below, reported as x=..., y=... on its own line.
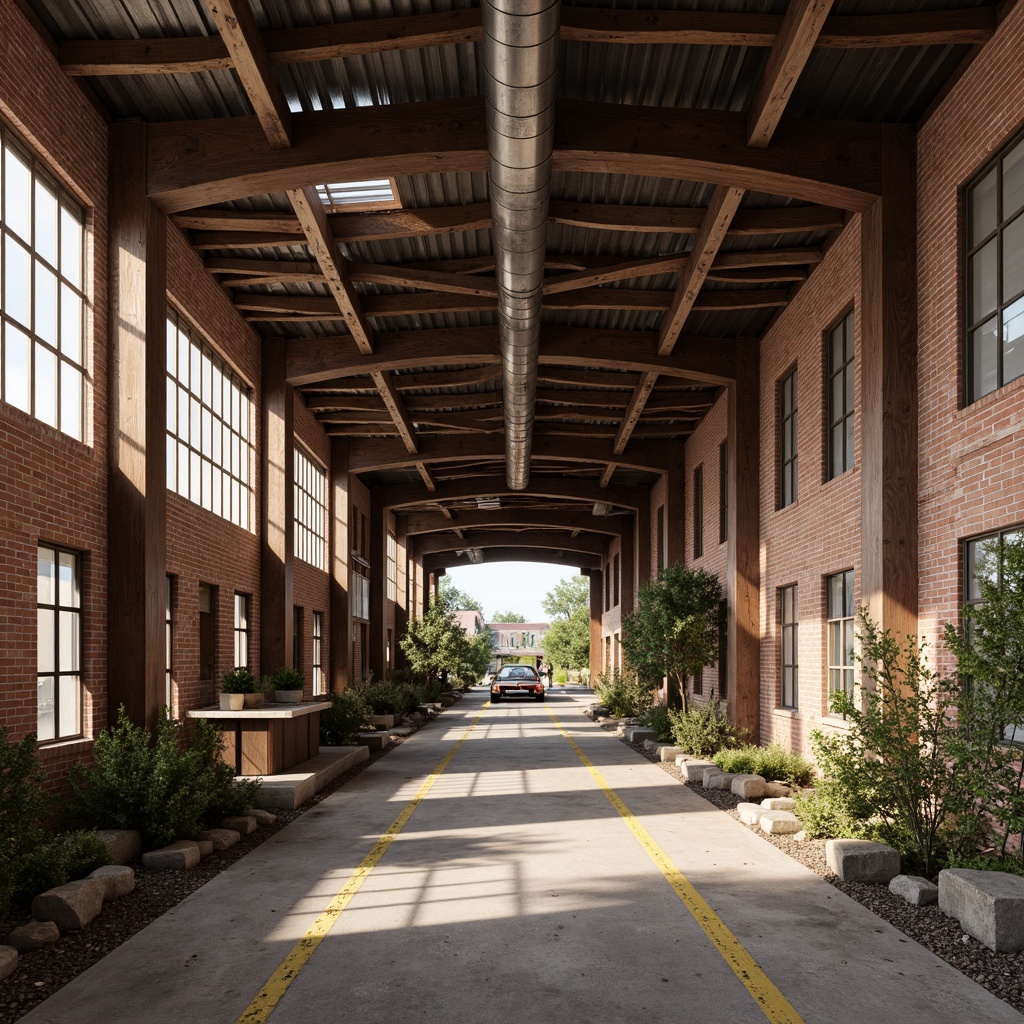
x=507, y=518
x=472, y=377
x=803, y=22
x=196, y=163
x=244, y=43
x=203, y=240
x=628, y=270
x=758, y=275
x=557, y=540
x=258, y=221
x=396, y=408
x=430, y=280
x=414, y=223
x=577, y=559
x=634, y=410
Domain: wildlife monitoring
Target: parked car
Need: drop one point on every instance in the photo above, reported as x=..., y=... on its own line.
x=517, y=681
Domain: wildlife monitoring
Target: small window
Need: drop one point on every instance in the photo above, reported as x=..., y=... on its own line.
x=698, y=512
x=241, y=630
x=840, y=397
x=995, y=273
x=392, y=567
x=309, y=514
x=372, y=193
x=839, y=625
x=607, y=586
x=787, y=440
x=58, y=645
x=318, y=644
x=789, y=637
x=616, y=592
x=698, y=683
x=169, y=643
x=661, y=537
x=723, y=492
x=206, y=653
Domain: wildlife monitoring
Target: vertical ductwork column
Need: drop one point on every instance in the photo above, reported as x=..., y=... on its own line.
x=520, y=63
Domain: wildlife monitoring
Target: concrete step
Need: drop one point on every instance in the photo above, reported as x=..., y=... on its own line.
x=292, y=789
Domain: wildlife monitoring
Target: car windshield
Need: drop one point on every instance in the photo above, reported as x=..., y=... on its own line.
x=517, y=672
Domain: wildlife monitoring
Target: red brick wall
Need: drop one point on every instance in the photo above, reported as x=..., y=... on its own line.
x=972, y=459
x=611, y=617
x=658, y=501
x=359, y=499
x=54, y=488
x=820, y=533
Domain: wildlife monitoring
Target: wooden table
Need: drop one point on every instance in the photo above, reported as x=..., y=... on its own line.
x=269, y=739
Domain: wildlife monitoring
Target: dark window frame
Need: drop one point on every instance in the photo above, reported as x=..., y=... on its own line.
x=309, y=515
x=723, y=492
x=788, y=466
x=698, y=511
x=839, y=623
x=789, y=628
x=240, y=630
x=60, y=610
x=844, y=420
x=661, y=557
x=616, y=581
x=317, y=666
x=169, y=641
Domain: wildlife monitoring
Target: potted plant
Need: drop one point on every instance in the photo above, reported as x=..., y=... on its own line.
x=288, y=684
x=234, y=686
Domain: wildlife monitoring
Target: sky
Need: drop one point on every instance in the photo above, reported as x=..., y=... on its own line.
x=511, y=586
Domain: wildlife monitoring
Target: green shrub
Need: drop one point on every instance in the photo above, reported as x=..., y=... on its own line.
x=773, y=763
x=703, y=730
x=826, y=813
x=347, y=714
x=288, y=679
x=238, y=680
x=166, y=789
x=62, y=857
x=656, y=717
x=987, y=862
x=23, y=808
x=623, y=694
x=561, y=677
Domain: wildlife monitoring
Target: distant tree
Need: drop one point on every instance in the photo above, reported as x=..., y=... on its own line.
x=567, y=641
x=674, y=631
x=478, y=657
x=436, y=643
x=460, y=600
x=508, y=617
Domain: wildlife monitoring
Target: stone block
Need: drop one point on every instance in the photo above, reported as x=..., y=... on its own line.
x=382, y=721
x=723, y=780
x=180, y=856
x=670, y=754
x=988, y=904
x=70, y=906
x=117, y=880
x=222, y=838
x=243, y=824
x=779, y=823
x=915, y=890
x=34, y=935
x=373, y=741
x=709, y=772
x=8, y=961
x=123, y=845
x=402, y=730
x=860, y=860
x=651, y=745
x=205, y=846
x=639, y=733
x=776, y=789
x=262, y=817
x=693, y=771
x=750, y=814
x=778, y=803
x=748, y=787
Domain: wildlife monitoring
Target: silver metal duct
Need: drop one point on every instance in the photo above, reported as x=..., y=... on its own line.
x=520, y=61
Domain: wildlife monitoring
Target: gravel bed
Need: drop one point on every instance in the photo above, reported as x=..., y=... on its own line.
x=41, y=973
x=1001, y=973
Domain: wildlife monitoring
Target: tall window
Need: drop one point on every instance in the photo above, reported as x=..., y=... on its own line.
x=789, y=634
x=42, y=293
x=206, y=651
x=297, y=638
x=59, y=645
x=661, y=537
x=392, y=567
x=616, y=592
x=787, y=440
x=723, y=492
x=840, y=397
x=995, y=273
x=360, y=595
x=168, y=643
x=241, y=630
x=318, y=652
x=310, y=511
x=209, y=428
x=698, y=512
x=839, y=612
x=607, y=586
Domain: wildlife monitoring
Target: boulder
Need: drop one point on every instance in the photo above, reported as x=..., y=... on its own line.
x=709, y=773
x=180, y=856
x=800, y=837
x=778, y=803
x=750, y=814
x=222, y=838
x=382, y=721
x=8, y=961
x=748, y=787
x=373, y=741
x=117, y=880
x=988, y=904
x=915, y=890
x=123, y=845
x=34, y=935
x=667, y=752
x=639, y=733
x=70, y=906
x=860, y=860
x=776, y=789
x=262, y=817
x=779, y=823
x=651, y=745
x=243, y=824
x=723, y=780
x=693, y=771
x=205, y=846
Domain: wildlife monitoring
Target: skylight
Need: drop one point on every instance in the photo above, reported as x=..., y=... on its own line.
x=357, y=193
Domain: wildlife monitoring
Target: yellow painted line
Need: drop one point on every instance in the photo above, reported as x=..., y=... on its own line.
x=772, y=1002
x=272, y=992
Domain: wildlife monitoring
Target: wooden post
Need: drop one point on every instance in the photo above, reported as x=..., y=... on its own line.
x=888, y=330
x=743, y=585
x=341, y=547
x=596, y=609
x=640, y=570
x=376, y=656
x=675, y=508
x=627, y=562
x=276, y=567
x=137, y=486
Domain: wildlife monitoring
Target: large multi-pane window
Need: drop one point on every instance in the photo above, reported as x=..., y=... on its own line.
x=241, y=630
x=42, y=293
x=318, y=652
x=698, y=512
x=787, y=440
x=392, y=567
x=995, y=273
x=360, y=595
x=983, y=558
x=840, y=397
x=58, y=644
x=209, y=428
x=310, y=511
x=839, y=625
x=789, y=631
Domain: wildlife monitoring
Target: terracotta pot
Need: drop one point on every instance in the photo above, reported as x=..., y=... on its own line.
x=232, y=701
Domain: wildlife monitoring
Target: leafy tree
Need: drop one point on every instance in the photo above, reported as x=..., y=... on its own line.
x=478, y=657
x=674, y=631
x=437, y=644
x=567, y=641
x=569, y=596
x=459, y=599
x=508, y=617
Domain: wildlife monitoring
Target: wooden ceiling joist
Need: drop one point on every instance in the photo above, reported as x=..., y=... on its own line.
x=582, y=520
